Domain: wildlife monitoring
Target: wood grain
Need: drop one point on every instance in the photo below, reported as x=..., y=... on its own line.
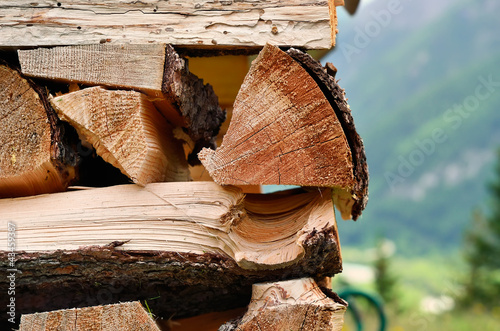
x=33, y=157
x=118, y=317
x=297, y=304
x=194, y=23
x=196, y=247
x=283, y=131
x=127, y=131
x=154, y=69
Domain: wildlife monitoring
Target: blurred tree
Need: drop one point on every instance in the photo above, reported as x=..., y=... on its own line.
x=385, y=281
x=482, y=251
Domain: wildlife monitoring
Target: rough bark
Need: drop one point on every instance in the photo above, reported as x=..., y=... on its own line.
x=194, y=247
x=197, y=24
x=287, y=130
x=34, y=156
x=154, y=69
x=297, y=304
x=118, y=317
x=127, y=131
x=197, y=103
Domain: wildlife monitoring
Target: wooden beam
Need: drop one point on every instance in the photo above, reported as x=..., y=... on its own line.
x=193, y=23
x=297, y=304
x=118, y=317
x=191, y=244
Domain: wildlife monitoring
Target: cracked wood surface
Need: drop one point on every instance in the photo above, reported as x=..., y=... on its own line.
x=351, y=202
x=283, y=131
x=195, y=245
x=291, y=125
x=309, y=24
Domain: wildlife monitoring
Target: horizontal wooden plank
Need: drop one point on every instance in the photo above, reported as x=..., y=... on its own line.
x=245, y=23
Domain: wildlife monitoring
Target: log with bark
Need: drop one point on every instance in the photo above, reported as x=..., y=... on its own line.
x=34, y=156
x=291, y=125
x=213, y=25
x=127, y=131
x=154, y=69
x=195, y=247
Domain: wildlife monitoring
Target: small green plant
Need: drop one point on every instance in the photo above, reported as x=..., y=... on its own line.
x=386, y=282
x=482, y=252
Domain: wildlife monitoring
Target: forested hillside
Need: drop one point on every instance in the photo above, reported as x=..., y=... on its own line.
x=423, y=81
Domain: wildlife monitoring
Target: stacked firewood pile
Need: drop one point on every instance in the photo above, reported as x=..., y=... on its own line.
x=104, y=129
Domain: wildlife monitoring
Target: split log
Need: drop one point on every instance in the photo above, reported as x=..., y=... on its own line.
x=297, y=304
x=155, y=69
x=34, y=157
x=118, y=317
x=195, y=247
x=195, y=24
x=286, y=129
x=127, y=131
x=354, y=200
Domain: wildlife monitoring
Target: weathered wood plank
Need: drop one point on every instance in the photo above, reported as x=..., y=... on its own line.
x=249, y=23
x=137, y=67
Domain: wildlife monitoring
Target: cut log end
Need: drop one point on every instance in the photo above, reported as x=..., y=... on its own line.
x=292, y=126
x=32, y=155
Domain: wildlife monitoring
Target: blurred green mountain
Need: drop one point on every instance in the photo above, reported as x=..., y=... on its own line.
x=423, y=82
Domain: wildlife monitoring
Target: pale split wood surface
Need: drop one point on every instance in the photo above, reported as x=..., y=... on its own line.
x=124, y=66
x=257, y=231
x=127, y=131
x=194, y=246
x=127, y=66
x=297, y=304
x=197, y=23
x=154, y=69
x=125, y=316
